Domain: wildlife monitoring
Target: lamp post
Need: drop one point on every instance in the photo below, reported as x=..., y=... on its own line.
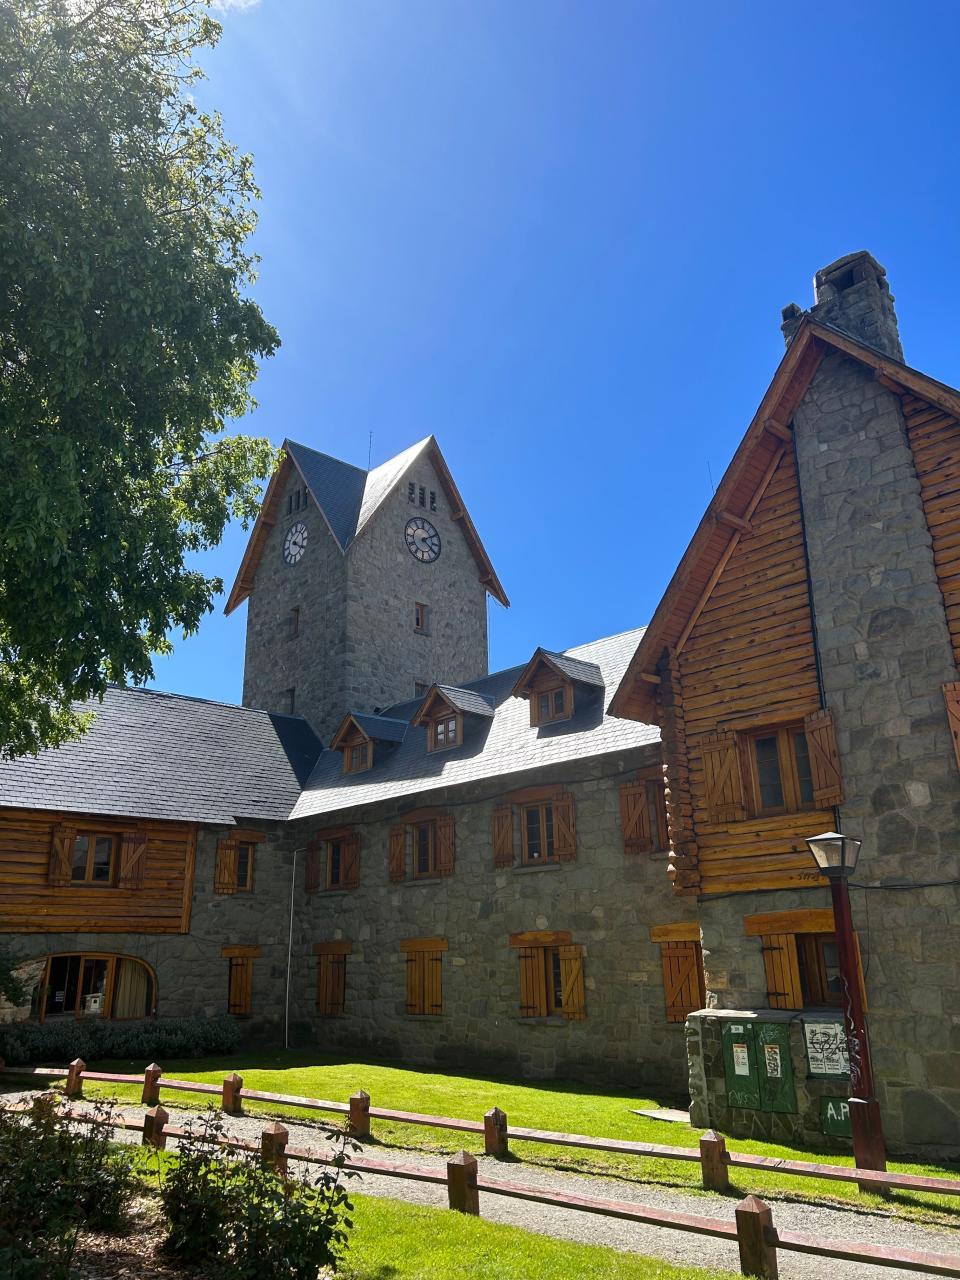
x=836, y=856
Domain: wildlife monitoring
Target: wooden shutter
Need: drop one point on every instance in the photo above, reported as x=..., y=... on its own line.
x=61, y=854
x=564, y=828
x=533, y=983
x=313, y=874
x=635, y=817
x=503, y=836
x=824, y=759
x=350, y=860
x=783, y=971
x=415, y=981
x=722, y=780
x=239, y=998
x=398, y=852
x=951, y=696
x=331, y=984
x=572, y=1000
x=225, y=876
x=133, y=857
x=432, y=993
x=443, y=834
x=684, y=988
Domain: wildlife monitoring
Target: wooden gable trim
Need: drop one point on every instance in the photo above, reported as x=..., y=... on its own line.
x=808, y=920
x=427, y=710
x=340, y=739
x=682, y=931
x=522, y=689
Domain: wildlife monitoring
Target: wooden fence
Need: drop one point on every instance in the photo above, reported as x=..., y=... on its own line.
x=753, y=1230
x=712, y=1155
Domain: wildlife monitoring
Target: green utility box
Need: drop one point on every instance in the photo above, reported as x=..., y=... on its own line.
x=757, y=1066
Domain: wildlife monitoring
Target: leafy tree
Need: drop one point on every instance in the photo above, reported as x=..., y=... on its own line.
x=126, y=344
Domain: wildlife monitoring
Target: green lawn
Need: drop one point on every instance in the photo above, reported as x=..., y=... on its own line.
x=396, y=1241
x=564, y=1106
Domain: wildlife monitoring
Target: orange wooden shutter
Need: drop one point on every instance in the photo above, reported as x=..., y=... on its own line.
x=783, y=971
x=722, y=780
x=684, y=988
x=398, y=852
x=503, y=836
x=350, y=861
x=432, y=994
x=239, y=998
x=572, y=998
x=331, y=984
x=61, y=854
x=824, y=759
x=951, y=696
x=225, y=876
x=564, y=828
x=133, y=856
x=635, y=817
x=533, y=983
x=415, y=982
x=444, y=838
x=313, y=873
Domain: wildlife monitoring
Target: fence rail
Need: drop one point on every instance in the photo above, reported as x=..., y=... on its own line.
x=753, y=1229
x=712, y=1155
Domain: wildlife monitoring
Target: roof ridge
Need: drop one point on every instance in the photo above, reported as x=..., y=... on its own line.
x=329, y=456
x=193, y=697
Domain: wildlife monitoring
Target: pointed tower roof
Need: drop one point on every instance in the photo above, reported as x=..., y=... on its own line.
x=348, y=497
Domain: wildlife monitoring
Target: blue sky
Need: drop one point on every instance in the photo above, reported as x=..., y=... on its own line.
x=558, y=235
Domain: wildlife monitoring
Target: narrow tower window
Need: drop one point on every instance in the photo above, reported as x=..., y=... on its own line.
x=290, y=696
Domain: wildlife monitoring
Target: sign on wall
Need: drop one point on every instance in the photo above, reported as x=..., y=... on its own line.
x=826, y=1049
x=835, y=1117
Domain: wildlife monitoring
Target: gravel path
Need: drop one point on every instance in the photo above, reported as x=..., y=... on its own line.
x=853, y=1223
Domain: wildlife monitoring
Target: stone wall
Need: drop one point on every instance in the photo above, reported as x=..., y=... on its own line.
x=386, y=657
x=885, y=652
x=313, y=661
x=606, y=899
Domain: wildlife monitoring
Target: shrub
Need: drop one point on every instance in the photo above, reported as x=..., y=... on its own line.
x=229, y=1214
x=56, y=1176
x=94, y=1039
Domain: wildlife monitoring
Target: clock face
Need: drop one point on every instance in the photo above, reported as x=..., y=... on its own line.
x=423, y=541
x=295, y=543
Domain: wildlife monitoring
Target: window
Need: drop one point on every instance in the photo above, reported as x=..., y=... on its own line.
x=548, y=831
x=552, y=705
x=411, y=492
x=684, y=987
x=294, y=622
x=93, y=858
x=240, y=977
x=537, y=826
x=426, y=837
x=420, y=688
x=358, y=757
x=551, y=976
x=643, y=814
x=105, y=986
x=424, y=959
x=433, y=500
x=420, y=617
x=290, y=700
x=422, y=496
x=444, y=733
x=779, y=771
x=333, y=861
x=234, y=866
x=331, y=977
x=800, y=958
x=296, y=500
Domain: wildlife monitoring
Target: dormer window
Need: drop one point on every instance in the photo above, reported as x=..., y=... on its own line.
x=360, y=758
x=554, y=684
x=445, y=713
x=360, y=736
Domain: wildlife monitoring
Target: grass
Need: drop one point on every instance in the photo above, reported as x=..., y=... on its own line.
x=564, y=1106
x=396, y=1241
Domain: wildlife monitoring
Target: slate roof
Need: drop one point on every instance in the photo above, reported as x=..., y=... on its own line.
x=506, y=745
x=469, y=700
x=576, y=668
x=380, y=728
x=161, y=755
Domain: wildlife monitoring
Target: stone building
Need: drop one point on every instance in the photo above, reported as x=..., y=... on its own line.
x=591, y=866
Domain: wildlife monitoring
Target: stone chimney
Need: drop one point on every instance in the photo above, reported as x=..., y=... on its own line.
x=852, y=294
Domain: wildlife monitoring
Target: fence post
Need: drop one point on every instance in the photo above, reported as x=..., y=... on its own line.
x=360, y=1114
x=495, y=1140
x=757, y=1239
x=153, y=1122
x=151, y=1085
x=230, y=1100
x=74, y=1086
x=714, y=1172
x=462, y=1192
x=273, y=1144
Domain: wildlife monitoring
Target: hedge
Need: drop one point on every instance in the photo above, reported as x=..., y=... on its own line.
x=93, y=1039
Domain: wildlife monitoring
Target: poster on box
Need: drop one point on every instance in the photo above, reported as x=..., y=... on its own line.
x=826, y=1049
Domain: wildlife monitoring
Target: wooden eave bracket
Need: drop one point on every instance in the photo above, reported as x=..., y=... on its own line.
x=778, y=429
x=733, y=521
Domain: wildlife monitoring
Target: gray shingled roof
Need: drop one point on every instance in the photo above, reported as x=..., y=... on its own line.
x=161, y=755
x=380, y=728
x=469, y=700
x=506, y=745
x=576, y=668
x=347, y=495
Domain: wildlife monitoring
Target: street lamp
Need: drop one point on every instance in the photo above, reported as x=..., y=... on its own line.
x=836, y=857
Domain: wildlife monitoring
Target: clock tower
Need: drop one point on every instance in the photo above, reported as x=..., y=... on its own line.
x=363, y=587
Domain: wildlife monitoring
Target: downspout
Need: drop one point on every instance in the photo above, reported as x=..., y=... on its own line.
x=286, y=1011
